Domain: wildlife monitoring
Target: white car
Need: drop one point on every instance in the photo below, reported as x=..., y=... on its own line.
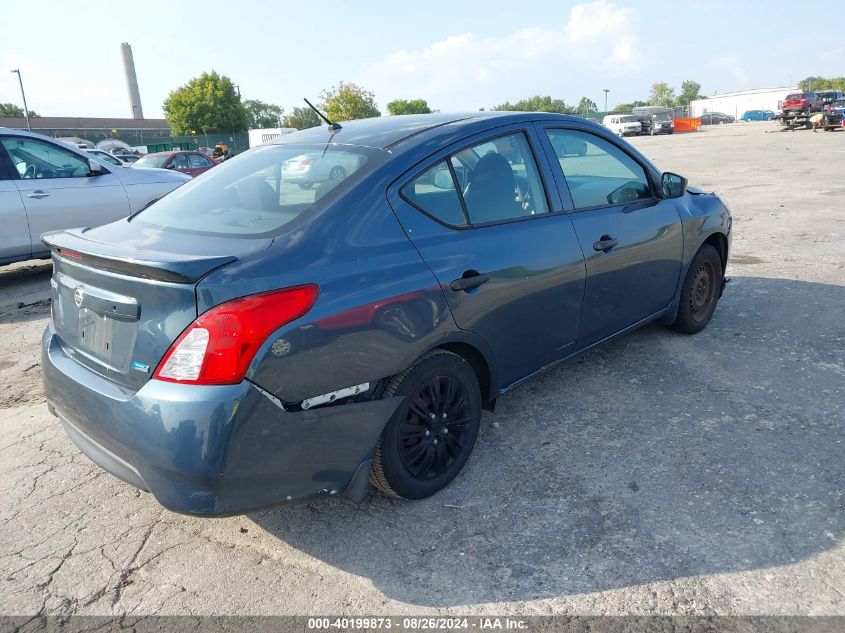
x=46, y=185
x=307, y=170
x=105, y=156
x=622, y=124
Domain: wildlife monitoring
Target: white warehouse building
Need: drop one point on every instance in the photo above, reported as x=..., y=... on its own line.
x=735, y=103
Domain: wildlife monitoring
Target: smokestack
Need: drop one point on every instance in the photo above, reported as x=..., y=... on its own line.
x=131, y=82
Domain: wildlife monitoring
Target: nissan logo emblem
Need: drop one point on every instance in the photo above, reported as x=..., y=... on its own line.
x=77, y=297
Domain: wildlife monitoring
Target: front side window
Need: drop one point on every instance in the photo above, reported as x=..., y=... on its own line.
x=198, y=162
x=599, y=173
x=261, y=191
x=35, y=159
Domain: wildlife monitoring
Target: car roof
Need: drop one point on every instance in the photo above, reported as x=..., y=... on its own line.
x=387, y=132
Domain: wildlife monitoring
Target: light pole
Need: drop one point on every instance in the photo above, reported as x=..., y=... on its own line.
x=23, y=95
x=605, y=99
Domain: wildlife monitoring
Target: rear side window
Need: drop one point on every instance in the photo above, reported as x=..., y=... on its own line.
x=597, y=172
x=498, y=180
x=433, y=191
x=262, y=190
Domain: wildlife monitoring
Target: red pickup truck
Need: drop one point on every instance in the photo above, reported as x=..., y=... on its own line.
x=802, y=101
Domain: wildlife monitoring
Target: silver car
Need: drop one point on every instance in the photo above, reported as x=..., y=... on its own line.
x=313, y=168
x=46, y=185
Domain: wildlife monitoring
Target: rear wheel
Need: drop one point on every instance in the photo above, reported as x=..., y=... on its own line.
x=431, y=435
x=700, y=292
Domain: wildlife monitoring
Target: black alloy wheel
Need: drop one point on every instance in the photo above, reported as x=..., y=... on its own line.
x=433, y=431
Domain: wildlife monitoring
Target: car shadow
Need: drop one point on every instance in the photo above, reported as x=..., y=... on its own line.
x=656, y=457
x=25, y=291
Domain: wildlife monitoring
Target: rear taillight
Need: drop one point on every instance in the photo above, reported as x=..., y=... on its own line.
x=218, y=347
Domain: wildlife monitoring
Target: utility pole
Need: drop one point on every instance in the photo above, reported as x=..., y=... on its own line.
x=605, y=99
x=23, y=95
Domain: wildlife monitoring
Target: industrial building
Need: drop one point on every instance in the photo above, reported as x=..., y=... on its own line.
x=735, y=103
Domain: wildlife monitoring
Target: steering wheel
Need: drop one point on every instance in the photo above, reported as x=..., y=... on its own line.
x=30, y=172
x=527, y=202
x=623, y=194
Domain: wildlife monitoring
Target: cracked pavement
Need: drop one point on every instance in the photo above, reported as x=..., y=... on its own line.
x=661, y=474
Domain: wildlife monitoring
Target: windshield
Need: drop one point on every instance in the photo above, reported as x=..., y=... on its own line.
x=628, y=119
x=151, y=160
x=260, y=191
x=662, y=116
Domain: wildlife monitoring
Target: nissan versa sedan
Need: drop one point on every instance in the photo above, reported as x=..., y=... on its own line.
x=244, y=342
x=46, y=185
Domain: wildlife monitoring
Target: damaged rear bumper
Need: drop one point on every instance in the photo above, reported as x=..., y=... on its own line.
x=213, y=450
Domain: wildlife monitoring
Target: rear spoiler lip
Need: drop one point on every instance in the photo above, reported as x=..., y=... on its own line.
x=158, y=266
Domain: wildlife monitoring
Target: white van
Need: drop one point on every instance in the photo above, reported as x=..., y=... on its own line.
x=622, y=124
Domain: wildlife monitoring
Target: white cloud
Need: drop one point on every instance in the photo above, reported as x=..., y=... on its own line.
x=464, y=71
x=734, y=69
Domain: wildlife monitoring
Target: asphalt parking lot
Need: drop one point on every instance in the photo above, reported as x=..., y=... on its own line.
x=662, y=474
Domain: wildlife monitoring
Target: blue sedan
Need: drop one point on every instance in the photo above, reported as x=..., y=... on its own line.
x=757, y=115
x=246, y=342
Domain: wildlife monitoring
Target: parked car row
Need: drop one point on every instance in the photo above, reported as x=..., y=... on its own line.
x=645, y=120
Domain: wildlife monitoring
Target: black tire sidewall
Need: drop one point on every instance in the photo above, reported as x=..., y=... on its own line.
x=438, y=364
x=685, y=321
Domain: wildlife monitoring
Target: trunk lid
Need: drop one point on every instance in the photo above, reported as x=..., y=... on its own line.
x=121, y=295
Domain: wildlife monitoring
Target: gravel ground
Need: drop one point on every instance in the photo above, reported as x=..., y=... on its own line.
x=662, y=474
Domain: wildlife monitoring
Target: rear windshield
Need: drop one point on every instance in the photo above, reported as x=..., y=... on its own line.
x=797, y=95
x=260, y=191
x=151, y=160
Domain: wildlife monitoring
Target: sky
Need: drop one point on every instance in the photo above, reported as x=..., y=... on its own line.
x=458, y=55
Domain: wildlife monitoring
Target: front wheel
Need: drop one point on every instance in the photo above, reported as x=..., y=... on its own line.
x=700, y=292
x=431, y=435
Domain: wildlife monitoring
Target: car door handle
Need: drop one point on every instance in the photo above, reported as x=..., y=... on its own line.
x=605, y=243
x=469, y=280
x=38, y=194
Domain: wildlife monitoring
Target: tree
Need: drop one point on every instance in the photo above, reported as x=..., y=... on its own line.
x=811, y=84
x=586, y=106
x=689, y=92
x=303, y=118
x=627, y=107
x=262, y=115
x=348, y=101
x=207, y=103
x=403, y=106
x=661, y=94
x=10, y=109
x=536, y=103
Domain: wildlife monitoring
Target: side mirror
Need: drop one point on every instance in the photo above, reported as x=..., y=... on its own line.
x=443, y=179
x=673, y=185
x=95, y=168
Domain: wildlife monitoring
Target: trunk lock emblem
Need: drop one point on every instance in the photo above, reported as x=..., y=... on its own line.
x=77, y=297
